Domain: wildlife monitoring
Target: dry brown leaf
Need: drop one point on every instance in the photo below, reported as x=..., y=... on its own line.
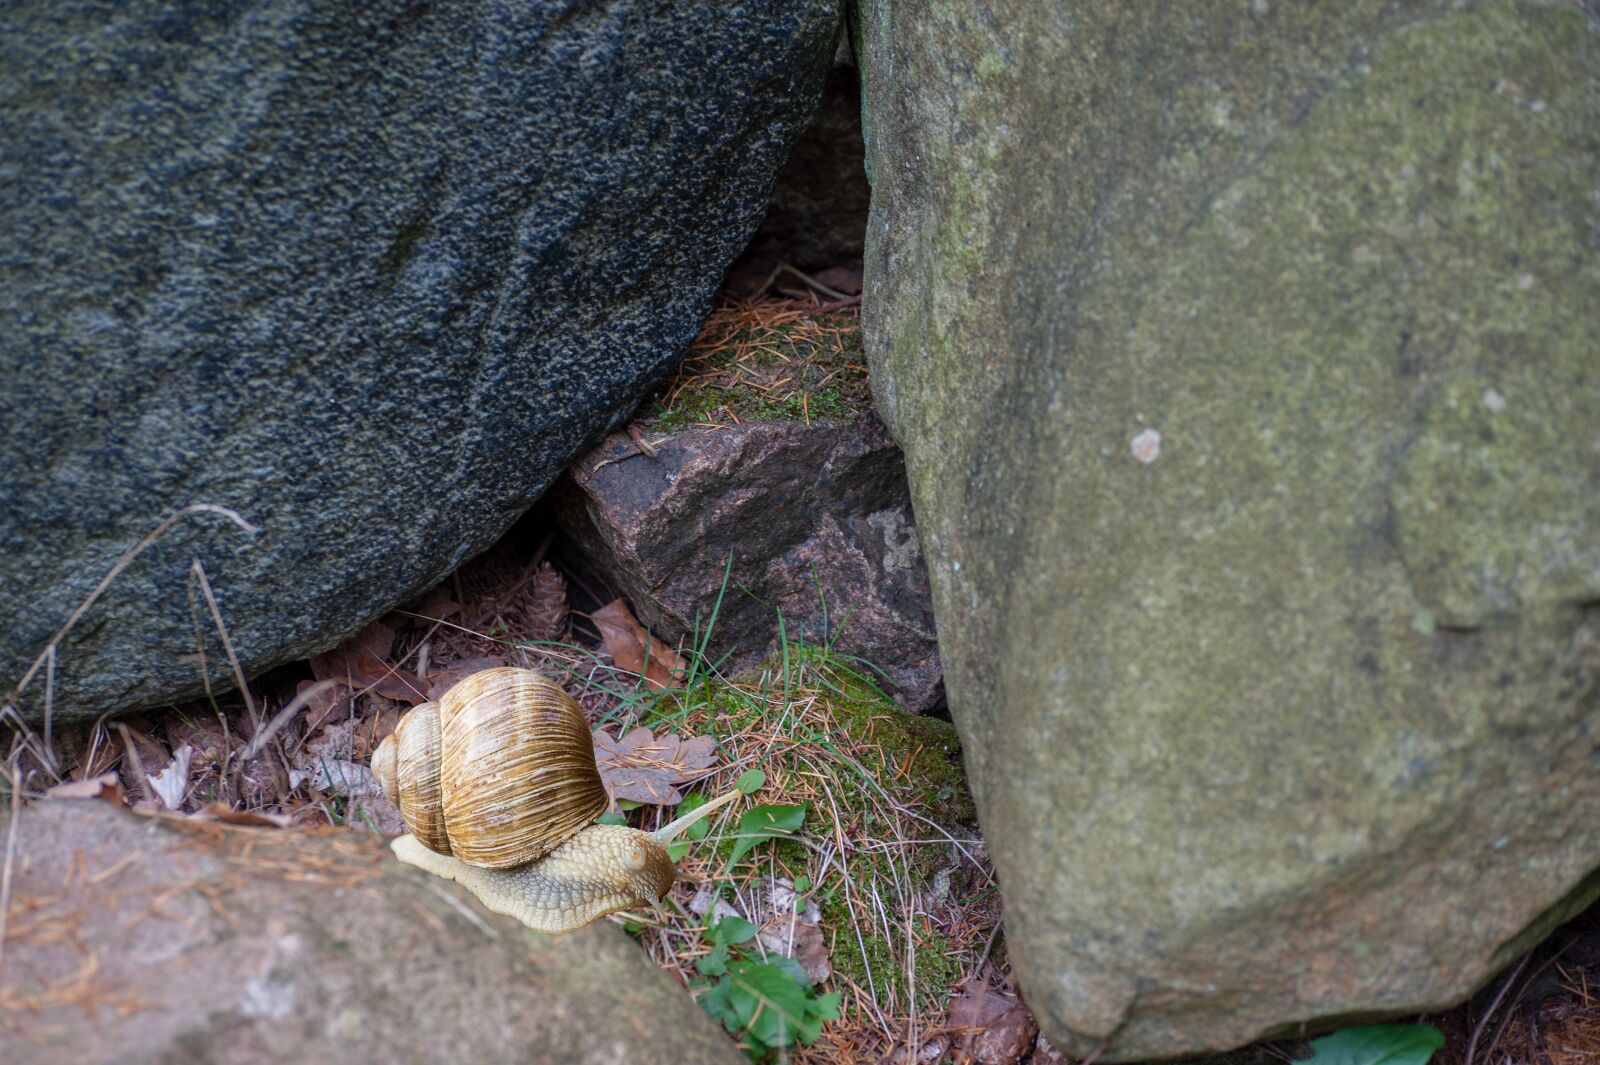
x=361, y=662
x=642, y=768
x=327, y=705
x=105, y=786
x=794, y=938
x=996, y=1028
x=151, y=754
x=202, y=733
x=438, y=605
x=335, y=741
x=440, y=680
x=633, y=649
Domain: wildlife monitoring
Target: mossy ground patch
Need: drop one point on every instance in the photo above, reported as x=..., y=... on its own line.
x=766, y=358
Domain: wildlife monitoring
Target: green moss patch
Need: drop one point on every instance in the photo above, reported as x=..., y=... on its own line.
x=756, y=360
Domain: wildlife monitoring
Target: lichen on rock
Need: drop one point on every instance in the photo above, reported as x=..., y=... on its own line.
x=1295, y=721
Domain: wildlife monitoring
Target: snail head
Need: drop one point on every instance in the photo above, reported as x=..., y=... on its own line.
x=638, y=862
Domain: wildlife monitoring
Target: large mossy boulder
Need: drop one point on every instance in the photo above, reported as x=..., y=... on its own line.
x=142, y=939
x=1246, y=362
x=368, y=275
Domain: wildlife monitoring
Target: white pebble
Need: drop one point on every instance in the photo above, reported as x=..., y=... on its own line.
x=1493, y=400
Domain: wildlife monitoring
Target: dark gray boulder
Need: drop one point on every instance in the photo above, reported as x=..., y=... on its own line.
x=370, y=276
x=1246, y=363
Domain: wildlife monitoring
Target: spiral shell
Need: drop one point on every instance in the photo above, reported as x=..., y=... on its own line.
x=499, y=772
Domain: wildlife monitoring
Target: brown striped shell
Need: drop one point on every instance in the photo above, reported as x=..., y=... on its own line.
x=499, y=772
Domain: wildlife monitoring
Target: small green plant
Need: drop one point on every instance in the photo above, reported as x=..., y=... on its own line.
x=761, y=823
x=1378, y=1044
x=694, y=832
x=766, y=1004
x=802, y=884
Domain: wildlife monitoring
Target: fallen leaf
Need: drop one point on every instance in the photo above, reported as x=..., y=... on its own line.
x=794, y=938
x=326, y=705
x=376, y=640
x=996, y=1027
x=105, y=786
x=365, y=804
x=335, y=741
x=438, y=605
x=137, y=732
x=355, y=664
x=202, y=733
x=344, y=778
x=172, y=783
x=634, y=650
x=643, y=768
x=922, y=1054
x=440, y=680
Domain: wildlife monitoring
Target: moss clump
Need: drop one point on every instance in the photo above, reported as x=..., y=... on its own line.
x=757, y=361
x=882, y=967
x=917, y=759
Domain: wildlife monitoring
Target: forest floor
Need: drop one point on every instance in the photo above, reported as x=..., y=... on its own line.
x=854, y=884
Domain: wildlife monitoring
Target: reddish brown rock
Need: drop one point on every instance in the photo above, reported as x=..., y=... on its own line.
x=817, y=519
x=162, y=939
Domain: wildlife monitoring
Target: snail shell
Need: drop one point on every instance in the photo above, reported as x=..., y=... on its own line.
x=499, y=772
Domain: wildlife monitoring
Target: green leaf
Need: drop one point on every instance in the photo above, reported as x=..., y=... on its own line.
x=802, y=884
x=750, y=781
x=609, y=818
x=760, y=823
x=1379, y=1044
x=796, y=971
x=732, y=930
x=770, y=1005
x=827, y=1006
x=628, y=804
x=714, y=1000
x=697, y=830
x=714, y=963
x=676, y=851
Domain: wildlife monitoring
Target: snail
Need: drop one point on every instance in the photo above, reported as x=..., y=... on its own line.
x=498, y=784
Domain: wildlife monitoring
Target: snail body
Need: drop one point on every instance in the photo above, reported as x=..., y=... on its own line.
x=497, y=782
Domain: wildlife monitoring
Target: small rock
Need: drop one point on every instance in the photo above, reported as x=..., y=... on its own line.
x=817, y=519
